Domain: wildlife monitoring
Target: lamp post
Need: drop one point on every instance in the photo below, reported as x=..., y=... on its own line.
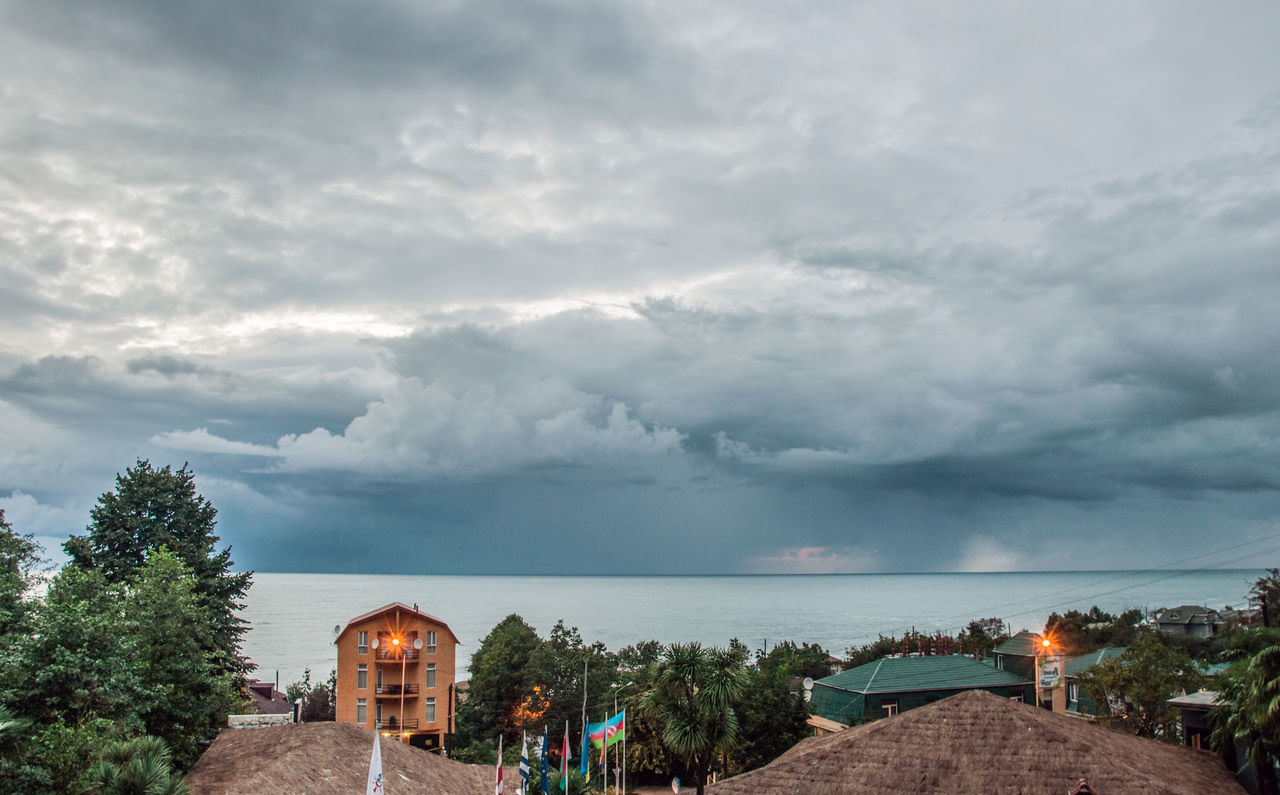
x=404, y=657
x=616, y=768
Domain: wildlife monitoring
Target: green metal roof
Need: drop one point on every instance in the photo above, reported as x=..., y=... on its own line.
x=909, y=674
x=1024, y=644
x=1078, y=665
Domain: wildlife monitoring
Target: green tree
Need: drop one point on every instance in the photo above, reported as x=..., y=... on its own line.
x=152, y=508
x=1143, y=679
x=692, y=700
x=771, y=718
x=1266, y=595
x=318, y=703
x=187, y=694
x=1248, y=715
x=807, y=659
x=141, y=766
x=557, y=668
x=499, y=681
x=19, y=556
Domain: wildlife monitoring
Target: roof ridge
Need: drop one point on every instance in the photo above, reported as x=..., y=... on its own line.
x=867, y=687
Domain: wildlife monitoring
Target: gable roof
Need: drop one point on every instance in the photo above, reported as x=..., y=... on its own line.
x=912, y=674
x=1024, y=644
x=1074, y=666
x=394, y=606
x=1189, y=614
x=980, y=742
x=321, y=758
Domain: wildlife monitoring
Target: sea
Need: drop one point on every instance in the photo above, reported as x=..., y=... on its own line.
x=294, y=618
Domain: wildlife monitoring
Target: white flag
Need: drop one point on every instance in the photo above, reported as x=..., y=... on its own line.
x=524, y=763
x=375, y=786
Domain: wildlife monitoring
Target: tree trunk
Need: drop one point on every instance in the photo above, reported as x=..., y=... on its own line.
x=1267, y=778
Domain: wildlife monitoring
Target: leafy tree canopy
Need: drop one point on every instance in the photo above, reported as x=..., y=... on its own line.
x=152, y=508
x=1141, y=681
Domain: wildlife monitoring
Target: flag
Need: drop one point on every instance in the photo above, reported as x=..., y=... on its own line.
x=584, y=768
x=564, y=760
x=497, y=781
x=611, y=730
x=542, y=762
x=374, y=785
x=524, y=763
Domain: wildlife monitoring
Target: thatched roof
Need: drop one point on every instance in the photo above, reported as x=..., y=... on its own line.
x=317, y=758
x=979, y=742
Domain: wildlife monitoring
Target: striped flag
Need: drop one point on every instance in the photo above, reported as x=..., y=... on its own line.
x=564, y=760
x=524, y=763
x=497, y=785
x=610, y=731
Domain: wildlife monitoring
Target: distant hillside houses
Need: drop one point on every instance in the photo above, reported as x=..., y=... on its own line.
x=1199, y=621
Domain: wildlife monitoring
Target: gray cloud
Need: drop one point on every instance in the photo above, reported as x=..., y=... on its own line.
x=823, y=285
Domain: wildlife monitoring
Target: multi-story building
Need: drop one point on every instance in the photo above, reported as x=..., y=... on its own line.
x=395, y=674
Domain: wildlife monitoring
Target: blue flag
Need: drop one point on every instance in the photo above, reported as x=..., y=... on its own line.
x=584, y=769
x=524, y=763
x=546, y=784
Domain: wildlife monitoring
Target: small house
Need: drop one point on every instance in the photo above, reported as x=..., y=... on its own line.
x=1194, y=620
x=896, y=684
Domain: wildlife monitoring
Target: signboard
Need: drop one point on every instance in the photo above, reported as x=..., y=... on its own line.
x=1050, y=672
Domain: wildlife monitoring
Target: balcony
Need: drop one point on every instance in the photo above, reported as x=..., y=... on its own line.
x=390, y=724
x=394, y=654
x=410, y=689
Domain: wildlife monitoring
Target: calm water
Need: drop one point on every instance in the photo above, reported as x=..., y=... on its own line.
x=293, y=615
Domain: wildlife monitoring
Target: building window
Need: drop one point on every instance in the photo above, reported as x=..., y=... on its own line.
x=431, y=642
x=890, y=707
x=362, y=676
x=378, y=714
x=431, y=710
x=362, y=711
x=362, y=642
x=999, y=662
x=431, y=675
x=1074, y=691
x=1016, y=697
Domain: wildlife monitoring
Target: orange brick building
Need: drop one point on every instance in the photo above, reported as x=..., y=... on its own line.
x=396, y=673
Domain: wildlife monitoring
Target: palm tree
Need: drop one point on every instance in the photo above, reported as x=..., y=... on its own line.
x=1248, y=716
x=692, y=700
x=141, y=766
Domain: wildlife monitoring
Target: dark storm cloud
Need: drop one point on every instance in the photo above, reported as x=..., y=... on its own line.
x=819, y=285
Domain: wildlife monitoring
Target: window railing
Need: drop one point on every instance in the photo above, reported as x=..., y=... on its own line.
x=391, y=724
x=395, y=653
x=396, y=689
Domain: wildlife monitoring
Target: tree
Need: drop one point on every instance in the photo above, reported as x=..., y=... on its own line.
x=141, y=766
x=19, y=556
x=1248, y=715
x=807, y=659
x=499, y=680
x=1141, y=681
x=153, y=508
x=1266, y=595
x=318, y=703
x=187, y=695
x=771, y=718
x=692, y=700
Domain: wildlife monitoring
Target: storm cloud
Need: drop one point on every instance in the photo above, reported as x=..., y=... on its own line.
x=637, y=288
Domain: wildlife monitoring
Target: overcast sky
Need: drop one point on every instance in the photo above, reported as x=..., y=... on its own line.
x=583, y=287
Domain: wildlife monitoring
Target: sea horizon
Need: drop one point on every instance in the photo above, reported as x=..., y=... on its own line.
x=293, y=615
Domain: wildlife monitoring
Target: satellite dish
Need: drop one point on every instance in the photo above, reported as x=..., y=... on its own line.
x=808, y=688
x=417, y=643
x=374, y=643
x=337, y=628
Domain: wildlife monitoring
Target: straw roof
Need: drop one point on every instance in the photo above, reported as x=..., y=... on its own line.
x=980, y=742
x=319, y=758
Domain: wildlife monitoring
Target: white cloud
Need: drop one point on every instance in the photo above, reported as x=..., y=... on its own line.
x=985, y=553
x=814, y=560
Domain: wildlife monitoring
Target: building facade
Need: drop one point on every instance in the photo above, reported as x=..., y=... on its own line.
x=395, y=674
x=891, y=685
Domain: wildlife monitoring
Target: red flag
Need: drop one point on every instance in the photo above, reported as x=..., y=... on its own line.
x=498, y=781
x=564, y=760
